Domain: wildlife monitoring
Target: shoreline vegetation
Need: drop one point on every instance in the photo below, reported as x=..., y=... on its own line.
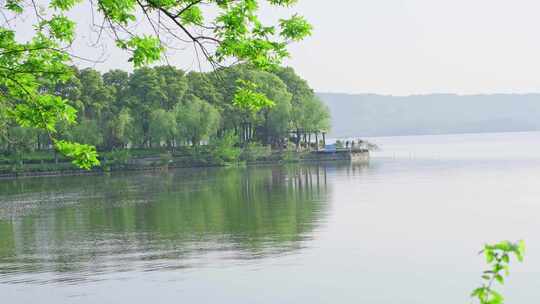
x=164, y=116
x=47, y=164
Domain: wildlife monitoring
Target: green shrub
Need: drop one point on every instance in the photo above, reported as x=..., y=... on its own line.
x=225, y=150
x=118, y=157
x=255, y=151
x=291, y=155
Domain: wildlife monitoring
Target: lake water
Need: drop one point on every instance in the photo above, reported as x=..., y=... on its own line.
x=404, y=229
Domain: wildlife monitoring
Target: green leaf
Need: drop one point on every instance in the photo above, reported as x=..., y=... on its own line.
x=496, y=298
x=478, y=292
x=192, y=16
x=120, y=11
x=504, y=246
x=83, y=156
x=521, y=250
x=62, y=28
x=14, y=6
x=296, y=28
x=44, y=112
x=506, y=270
x=489, y=255
x=63, y=5
x=247, y=98
x=146, y=49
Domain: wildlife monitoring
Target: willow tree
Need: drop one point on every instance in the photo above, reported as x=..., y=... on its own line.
x=234, y=33
x=197, y=120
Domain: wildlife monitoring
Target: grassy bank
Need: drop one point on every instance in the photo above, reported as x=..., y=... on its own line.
x=48, y=163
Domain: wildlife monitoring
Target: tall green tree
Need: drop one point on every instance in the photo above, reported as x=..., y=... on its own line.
x=301, y=95
x=120, y=130
x=95, y=97
x=197, y=120
x=87, y=131
x=173, y=85
x=118, y=83
x=116, y=118
x=163, y=128
x=272, y=123
x=145, y=96
x=308, y=113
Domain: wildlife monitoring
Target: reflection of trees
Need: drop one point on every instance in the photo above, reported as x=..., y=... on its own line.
x=95, y=224
x=356, y=169
x=7, y=244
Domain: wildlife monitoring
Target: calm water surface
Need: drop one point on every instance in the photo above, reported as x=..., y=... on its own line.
x=405, y=229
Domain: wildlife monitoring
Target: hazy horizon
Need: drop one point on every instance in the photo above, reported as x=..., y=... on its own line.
x=431, y=114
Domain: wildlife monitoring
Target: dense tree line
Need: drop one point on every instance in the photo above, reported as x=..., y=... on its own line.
x=166, y=107
x=221, y=31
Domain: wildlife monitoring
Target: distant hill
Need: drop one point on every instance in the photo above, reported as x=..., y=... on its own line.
x=378, y=115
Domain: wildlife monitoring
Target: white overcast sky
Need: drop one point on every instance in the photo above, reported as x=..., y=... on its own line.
x=403, y=47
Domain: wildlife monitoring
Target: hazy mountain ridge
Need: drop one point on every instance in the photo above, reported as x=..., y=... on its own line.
x=383, y=115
